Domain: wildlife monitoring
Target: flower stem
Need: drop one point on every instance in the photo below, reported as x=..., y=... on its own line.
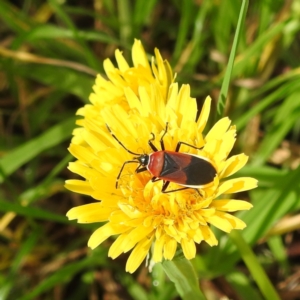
x=181, y=272
x=256, y=270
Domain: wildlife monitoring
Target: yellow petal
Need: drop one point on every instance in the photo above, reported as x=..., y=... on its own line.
x=133, y=100
x=203, y=118
x=139, y=56
x=198, y=236
x=146, y=102
x=122, y=63
x=158, y=249
x=187, y=106
x=208, y=236
x=82, y=170
x=163, y=72
x=83, y=154
x=89, y=213
x=226, y=222
x=237, y=185
x=218, y=129
x=233, y=164
x=138, y=254
x=170, y=248
x=118, y=217
x=78, y=186
x=231, y=205
x=136, y=235
x=130, y=211
x=226, y=146
x=220, y=223
x=189, y=248
x=94, y=141
x=207, y=212
x=112, y=74
x=104, y=232
x=172, y=96
x=117, y=246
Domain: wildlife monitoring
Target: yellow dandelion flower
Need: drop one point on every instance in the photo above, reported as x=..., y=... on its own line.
x=134, y=106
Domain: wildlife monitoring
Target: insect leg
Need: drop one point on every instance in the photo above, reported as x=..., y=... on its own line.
x=184, y=143
x=162, y=145
x=121, y=170
x=153, y=179
x=161, y=140
x=151, y=144
x=139, y=169
x=166, y=184
x=120, y=141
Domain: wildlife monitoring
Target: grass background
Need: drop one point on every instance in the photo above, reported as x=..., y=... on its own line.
x=50, y=52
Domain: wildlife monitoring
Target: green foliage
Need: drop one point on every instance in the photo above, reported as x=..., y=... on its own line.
x=49, y=57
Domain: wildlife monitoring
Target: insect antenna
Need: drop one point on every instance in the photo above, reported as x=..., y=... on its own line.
x=137, y=154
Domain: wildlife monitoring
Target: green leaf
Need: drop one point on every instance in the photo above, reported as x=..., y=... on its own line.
x=182, y=274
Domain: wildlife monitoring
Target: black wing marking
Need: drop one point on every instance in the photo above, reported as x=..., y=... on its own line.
x=199, y=171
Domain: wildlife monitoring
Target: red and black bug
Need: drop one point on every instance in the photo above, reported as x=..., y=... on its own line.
x=187, y=170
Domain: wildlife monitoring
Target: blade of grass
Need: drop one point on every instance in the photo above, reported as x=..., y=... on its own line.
x=277, y=247
x=50, y=31
x=265, y=175
x=17, y=157
x=31, y=58
x=273, y=139
x=141, y=15
x=65, y=274
x=286, y=89
x=255, y=49
x=242, y=284
x=256, y=270
x=136, y=291
x=124, y=13
x=226, y=16
x=13, y=18
x=63, y=79
x=184, y=28
x=226, y=81
x=47, y=187
x=31, y=212
x=7, y=288
x=87, y=53
x=277, y=201
x=198, y=37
